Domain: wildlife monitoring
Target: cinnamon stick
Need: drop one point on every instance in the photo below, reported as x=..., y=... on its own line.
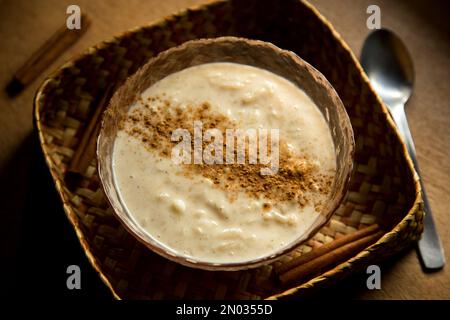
x=329, y=259
x=45, y=55
x=327, y=248
x=85, y=151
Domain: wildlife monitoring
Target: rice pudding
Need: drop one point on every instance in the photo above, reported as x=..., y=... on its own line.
x=223, y=213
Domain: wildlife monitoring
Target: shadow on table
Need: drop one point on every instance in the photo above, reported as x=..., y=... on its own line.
x=38, y=243
x=434, y=13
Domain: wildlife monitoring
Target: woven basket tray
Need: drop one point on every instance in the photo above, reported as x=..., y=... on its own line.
x=384, y=188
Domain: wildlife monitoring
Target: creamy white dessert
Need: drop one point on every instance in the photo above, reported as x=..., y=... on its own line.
x=223, y=213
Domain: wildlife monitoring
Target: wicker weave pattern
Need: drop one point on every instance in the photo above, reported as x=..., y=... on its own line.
x=384, y=187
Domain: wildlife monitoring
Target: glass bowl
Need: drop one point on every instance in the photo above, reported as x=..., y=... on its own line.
x=256, y=53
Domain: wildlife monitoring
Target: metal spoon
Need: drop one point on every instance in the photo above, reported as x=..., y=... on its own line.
x=388, y=64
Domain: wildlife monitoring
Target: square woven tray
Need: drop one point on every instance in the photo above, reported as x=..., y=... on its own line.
x=384, y=188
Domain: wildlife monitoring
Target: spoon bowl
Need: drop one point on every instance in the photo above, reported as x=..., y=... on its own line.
x=389, y=66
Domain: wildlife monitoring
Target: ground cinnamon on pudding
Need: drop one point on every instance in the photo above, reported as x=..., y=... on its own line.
x=296, y=179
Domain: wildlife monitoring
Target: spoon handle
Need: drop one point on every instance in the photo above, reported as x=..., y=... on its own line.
x=430, y=247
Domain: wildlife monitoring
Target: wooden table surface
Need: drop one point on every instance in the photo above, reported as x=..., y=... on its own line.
x=423, y=25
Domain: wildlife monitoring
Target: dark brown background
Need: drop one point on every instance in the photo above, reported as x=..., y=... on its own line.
x=37, y=241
